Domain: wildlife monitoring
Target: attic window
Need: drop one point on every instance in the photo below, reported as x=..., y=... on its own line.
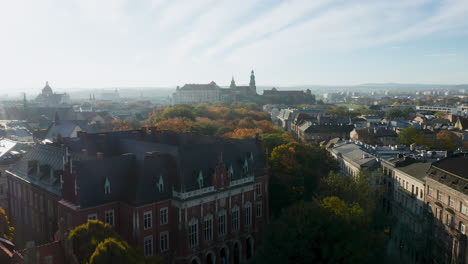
x=107, y=186
x=246, y=165
x=161, y=184
x=200, y=179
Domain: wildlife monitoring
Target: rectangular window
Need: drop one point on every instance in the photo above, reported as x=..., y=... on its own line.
x=148, y=246
x=462, y=228
x=429, y=191
x=235, y=219
x=92, y=217
x=109, y=217
x=164, y=241
x=209, y=228
x=451, y=202
x=462, y=208
x=248, y=214
x=259, y=209
x=258, y=189
x=193, y=234
x=439, y=196
x=222, y=224
x=147, y=220
x=163, y=216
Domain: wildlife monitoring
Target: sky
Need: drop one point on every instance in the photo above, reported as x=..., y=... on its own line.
x=165, y=43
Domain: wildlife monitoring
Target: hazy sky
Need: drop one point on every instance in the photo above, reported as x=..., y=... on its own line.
x=125, y=43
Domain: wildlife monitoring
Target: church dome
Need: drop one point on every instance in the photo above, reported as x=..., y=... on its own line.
x=47, y=90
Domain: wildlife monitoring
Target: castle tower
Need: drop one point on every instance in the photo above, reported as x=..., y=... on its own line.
x=252, y=85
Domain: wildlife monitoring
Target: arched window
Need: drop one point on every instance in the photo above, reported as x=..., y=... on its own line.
x=107, y=187
x=200, y=179
x=161, y=184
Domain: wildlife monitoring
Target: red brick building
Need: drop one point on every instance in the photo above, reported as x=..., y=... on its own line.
x=190, y=198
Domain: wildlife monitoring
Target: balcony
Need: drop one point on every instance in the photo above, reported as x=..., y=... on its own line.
x=186, y=195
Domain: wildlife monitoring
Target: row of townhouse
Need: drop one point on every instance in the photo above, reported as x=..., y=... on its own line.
x=429, y=201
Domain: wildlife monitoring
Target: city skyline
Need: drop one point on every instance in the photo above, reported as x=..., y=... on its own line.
x=88, y=44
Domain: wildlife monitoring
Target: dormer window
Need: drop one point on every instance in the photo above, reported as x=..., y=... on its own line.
x=231, y=171
x=246, y=165
x=107, y=187
x=161, y=184
x=200, y=179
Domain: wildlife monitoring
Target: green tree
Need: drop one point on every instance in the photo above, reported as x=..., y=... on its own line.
x=447, y=140
x=394, y=113
x=408, y=135
x=112, y=250
x=7, y=231
x=271, y=141
x=296, y=173
x=86, y=237
x=181, y=111
x=321, y=231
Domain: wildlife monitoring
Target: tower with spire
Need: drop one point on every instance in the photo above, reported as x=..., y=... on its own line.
x=233, y=83
x=252, y=85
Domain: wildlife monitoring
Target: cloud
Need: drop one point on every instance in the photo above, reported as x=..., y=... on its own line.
x=441, y=55
x=172, y=41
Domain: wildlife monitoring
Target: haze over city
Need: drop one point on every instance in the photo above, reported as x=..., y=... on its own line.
x=122, y=43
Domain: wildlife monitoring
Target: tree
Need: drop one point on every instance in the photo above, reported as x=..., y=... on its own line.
x=112, y=250
x=86, y=237
x=321, y=231
x=271, y=141
x=180, y=111
x=447, y=140
x=296, y=173
x=394, y=113
x=408, y=135
x=7, y=231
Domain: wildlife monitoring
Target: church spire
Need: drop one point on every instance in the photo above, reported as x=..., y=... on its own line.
x=233, y=83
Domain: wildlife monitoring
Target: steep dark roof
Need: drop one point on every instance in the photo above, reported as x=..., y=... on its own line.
x=134, y=161
x=452, y=172
x=45, y=155
x=457, y=165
